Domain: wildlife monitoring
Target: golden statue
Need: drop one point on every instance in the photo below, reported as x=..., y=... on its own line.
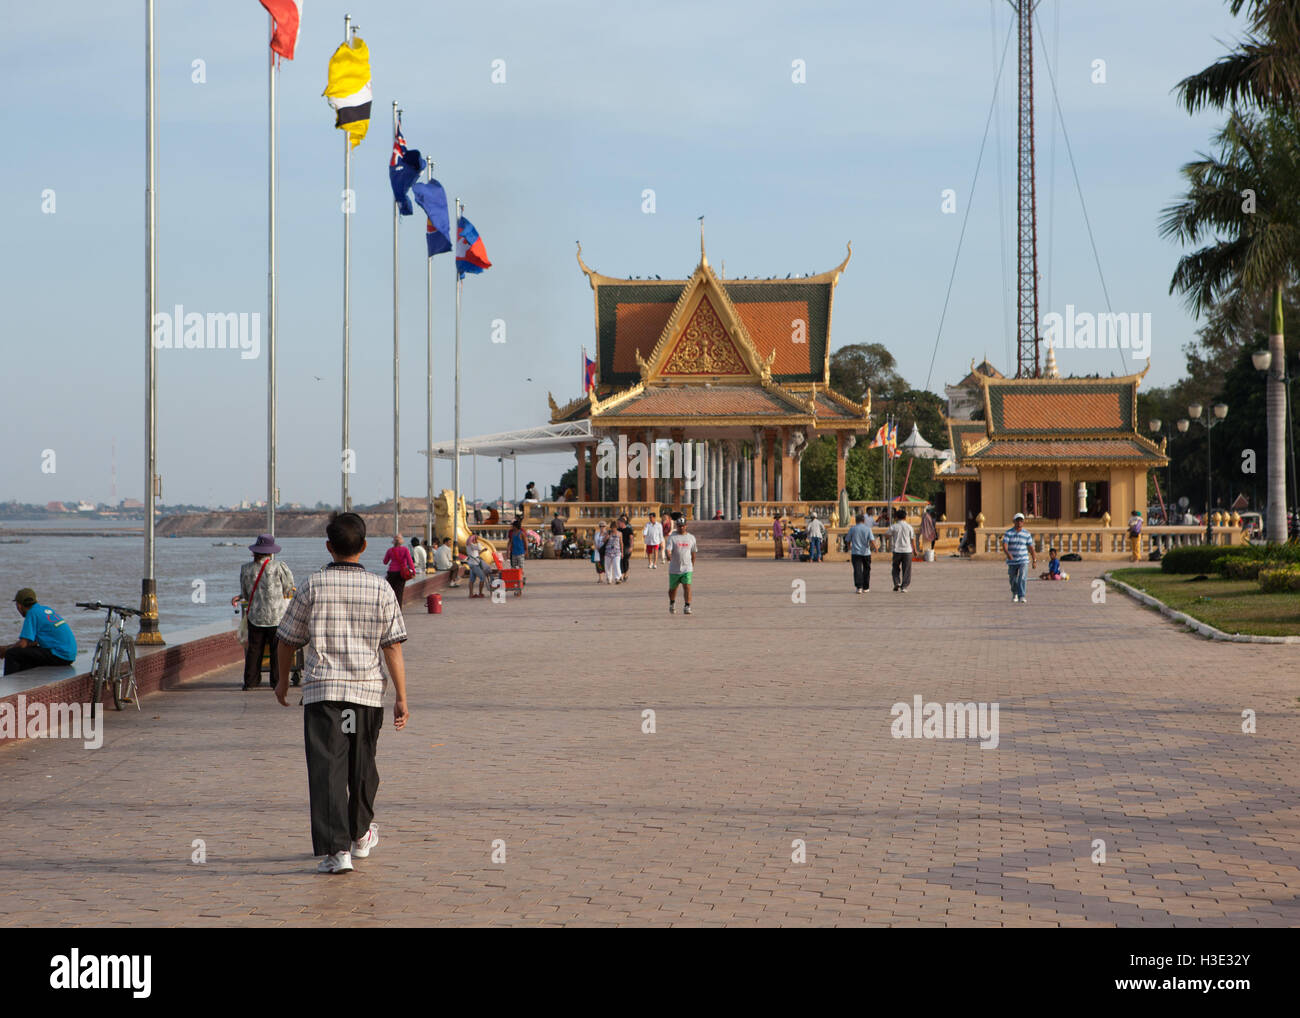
x=442, y=524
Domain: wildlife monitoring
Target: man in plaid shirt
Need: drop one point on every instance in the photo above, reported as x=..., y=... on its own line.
x=346, y=617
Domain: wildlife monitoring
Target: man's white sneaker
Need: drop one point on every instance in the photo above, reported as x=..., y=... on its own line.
x=686, y=610
x=369, y=840
x=339, y=862
x=1015, y=598
x=672, y=608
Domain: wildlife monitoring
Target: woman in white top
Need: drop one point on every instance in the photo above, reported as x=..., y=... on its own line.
x=613, y=555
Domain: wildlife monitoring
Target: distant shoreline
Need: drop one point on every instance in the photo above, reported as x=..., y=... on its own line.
x=238, y=523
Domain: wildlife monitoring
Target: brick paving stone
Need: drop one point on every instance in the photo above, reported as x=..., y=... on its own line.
x=773, y=723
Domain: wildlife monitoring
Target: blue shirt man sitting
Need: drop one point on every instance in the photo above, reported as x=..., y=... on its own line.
x=45, y=639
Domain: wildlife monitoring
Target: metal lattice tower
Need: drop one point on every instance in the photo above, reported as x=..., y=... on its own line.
x=1027, y=209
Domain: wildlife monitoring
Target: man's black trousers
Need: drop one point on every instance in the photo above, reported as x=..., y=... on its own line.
x=342, y=739
x=862, y=572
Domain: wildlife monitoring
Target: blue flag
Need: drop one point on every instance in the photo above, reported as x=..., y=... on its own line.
x=404, y=168
x=433, y=199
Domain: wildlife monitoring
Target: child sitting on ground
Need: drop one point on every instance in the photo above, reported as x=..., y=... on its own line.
x=1054, y=568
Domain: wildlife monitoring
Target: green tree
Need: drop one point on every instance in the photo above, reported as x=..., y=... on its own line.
x=1243, y=205
x=1264, y=69
x=861, y=367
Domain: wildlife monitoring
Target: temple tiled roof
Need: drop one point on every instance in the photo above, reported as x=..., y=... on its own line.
x=963, y=433
x=787, y=320
x=1061, y=406
x=698, y=401
x=1065, y=451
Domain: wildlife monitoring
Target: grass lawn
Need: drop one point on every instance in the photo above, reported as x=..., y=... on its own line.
x=1234, y=606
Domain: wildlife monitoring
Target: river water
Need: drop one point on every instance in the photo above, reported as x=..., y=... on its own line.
x=66, y=569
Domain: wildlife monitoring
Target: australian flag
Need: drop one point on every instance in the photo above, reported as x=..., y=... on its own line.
x=403, y=170
x=433, y=199
x=471, y=255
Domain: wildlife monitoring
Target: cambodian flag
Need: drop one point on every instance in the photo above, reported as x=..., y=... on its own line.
x=588, y=373
x=471, y=255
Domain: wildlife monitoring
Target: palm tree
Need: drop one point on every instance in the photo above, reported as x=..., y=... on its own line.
x=1264, y=69
x=1244, y=204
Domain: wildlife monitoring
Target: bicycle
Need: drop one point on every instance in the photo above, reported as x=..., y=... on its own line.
x=113, y=664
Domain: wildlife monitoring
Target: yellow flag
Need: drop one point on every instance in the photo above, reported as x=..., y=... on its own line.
x=348, y=90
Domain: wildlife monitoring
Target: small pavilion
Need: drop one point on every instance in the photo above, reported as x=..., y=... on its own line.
x=1064, y=451
x=735, y=374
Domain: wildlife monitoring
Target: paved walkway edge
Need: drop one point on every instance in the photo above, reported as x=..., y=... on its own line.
x=1204, y=628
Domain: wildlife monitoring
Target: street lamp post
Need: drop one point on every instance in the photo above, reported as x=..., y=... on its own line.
x=1263, y=361
x=1220, y=411
x=1156, y=427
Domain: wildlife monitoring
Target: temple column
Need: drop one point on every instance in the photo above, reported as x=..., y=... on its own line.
x=726, y=479
x=647, y=478
x=733, y=480
x=706, y=504
x=840, y=453
x=582, y=472
x=713, y=479
x=684, y=449
x=787, y=467
x=621, y=469
x=756, y=467
x=769, y=455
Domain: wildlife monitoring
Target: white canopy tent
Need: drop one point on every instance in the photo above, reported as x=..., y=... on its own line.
x=545, y=438
x=510, y=445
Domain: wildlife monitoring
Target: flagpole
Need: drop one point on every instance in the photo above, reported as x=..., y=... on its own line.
x=455, y=505
x=347, y=293
x=271, y=302
x=148, y=588
x=428, y=360
x=397, y=391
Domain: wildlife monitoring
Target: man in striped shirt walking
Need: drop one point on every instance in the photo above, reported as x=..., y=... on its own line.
x=1018, y=546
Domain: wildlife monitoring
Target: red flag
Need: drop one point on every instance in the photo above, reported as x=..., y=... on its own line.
x=288, y=16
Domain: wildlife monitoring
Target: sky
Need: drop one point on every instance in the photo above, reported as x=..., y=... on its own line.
x=600, y=101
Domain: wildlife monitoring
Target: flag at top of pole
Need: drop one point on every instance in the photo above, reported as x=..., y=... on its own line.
x=588, y=372
x=287, y=15
x=471, y=255
x=433, y=199
x=348, y=90
x=404, y=167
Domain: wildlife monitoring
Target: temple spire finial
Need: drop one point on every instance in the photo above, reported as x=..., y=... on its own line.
x=704, y=259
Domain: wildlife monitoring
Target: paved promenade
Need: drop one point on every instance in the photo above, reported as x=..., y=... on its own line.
x=773, y=725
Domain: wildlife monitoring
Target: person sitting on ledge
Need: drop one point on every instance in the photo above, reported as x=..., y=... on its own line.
x=444, y=562
x=45, y=639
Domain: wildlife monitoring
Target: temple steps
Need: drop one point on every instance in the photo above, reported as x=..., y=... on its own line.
x=718, y=538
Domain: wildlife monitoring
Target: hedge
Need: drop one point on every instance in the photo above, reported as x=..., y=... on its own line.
x=1283, y=580
x=1193, y=558
x=1243, y=567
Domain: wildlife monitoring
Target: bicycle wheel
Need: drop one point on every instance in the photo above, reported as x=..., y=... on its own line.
x=98, y=674
x=122, y=677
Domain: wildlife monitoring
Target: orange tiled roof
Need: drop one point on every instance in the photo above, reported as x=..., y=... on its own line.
x=637, y=328
x=771, y=327
x=1067, y=450
x=699, y=401
x=827, y=407
x=1078, y=411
